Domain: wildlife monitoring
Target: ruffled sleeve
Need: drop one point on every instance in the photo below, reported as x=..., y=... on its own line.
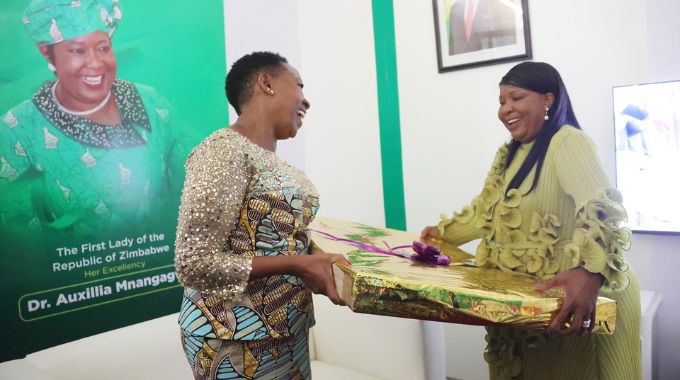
x=214, y=190
x=474, y=221
x=598, y=240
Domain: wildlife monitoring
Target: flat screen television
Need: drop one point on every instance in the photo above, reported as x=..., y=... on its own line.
x=647, y=134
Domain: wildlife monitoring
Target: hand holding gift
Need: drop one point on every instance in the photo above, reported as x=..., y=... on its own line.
x=383, y=282
x=580, y=301
x=315, y=271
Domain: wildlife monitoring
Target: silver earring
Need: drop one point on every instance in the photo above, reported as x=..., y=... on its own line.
x=51, y=67
x=271, y=92
x=546, y=117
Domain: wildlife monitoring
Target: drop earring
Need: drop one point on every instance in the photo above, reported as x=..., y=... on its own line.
x=51, y=67
x=546, y=117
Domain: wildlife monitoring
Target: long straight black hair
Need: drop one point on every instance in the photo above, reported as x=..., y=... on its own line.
x=542, y=78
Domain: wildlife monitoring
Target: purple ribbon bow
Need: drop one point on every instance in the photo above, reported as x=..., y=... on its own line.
x=424, y=253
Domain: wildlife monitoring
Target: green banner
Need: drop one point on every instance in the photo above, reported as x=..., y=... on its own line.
x=86, y=295
x=89, y=194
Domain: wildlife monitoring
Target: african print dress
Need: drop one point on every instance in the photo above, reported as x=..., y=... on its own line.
x=61, y=172
x=570, y=219
x=241, y=201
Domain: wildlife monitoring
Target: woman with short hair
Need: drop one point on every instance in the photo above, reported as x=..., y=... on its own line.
x=242, y=249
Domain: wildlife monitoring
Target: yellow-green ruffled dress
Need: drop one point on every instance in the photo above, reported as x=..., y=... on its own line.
x=570, y=219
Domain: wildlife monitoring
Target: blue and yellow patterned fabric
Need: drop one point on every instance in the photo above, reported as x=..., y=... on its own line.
x=286, y=358
x=241, y=201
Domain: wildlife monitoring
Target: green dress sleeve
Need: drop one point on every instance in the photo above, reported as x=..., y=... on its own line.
x=168, y=136
x=473, y=221
x=598, y=240
x=18, y=174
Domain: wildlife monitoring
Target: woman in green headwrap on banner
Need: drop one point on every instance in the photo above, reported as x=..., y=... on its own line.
x=88, y=150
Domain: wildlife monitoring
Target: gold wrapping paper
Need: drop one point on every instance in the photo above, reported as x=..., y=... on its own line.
x=458, y=293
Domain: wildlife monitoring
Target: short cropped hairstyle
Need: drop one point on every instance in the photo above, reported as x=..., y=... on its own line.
x=244, y=72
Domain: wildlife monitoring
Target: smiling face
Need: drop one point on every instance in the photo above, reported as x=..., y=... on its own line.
x=86, y=68
x=289, y=103
x=522, y=111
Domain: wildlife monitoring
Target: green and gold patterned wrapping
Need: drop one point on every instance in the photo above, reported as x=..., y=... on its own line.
x=459, y=293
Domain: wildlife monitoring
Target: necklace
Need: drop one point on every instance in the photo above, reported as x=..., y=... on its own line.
x=78, y=113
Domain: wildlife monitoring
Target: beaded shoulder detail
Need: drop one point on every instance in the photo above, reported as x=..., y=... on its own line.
x=132, y=114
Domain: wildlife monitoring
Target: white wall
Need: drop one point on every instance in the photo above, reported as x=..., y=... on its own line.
x=449, y=120
x=343, y=136
x=449, y=123
x=269, y=26
x=449, y=126
x=339, y=144
x=657, y=258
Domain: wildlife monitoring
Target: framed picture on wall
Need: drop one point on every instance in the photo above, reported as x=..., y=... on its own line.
x=473, y=33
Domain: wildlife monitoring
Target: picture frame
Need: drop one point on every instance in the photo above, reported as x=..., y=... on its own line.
x=485, y=33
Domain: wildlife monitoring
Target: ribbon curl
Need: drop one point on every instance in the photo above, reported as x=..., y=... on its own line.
x=423, y=253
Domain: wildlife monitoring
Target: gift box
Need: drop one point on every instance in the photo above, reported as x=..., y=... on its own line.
x=383, y=283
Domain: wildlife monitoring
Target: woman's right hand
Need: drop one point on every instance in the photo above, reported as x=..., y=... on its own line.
x=429, y=233
x=317, y=272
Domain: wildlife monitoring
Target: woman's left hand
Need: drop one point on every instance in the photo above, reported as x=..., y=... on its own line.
x=429, y=233
x=581, y=288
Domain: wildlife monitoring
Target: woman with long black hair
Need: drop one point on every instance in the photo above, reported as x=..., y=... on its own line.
x=547, y=210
